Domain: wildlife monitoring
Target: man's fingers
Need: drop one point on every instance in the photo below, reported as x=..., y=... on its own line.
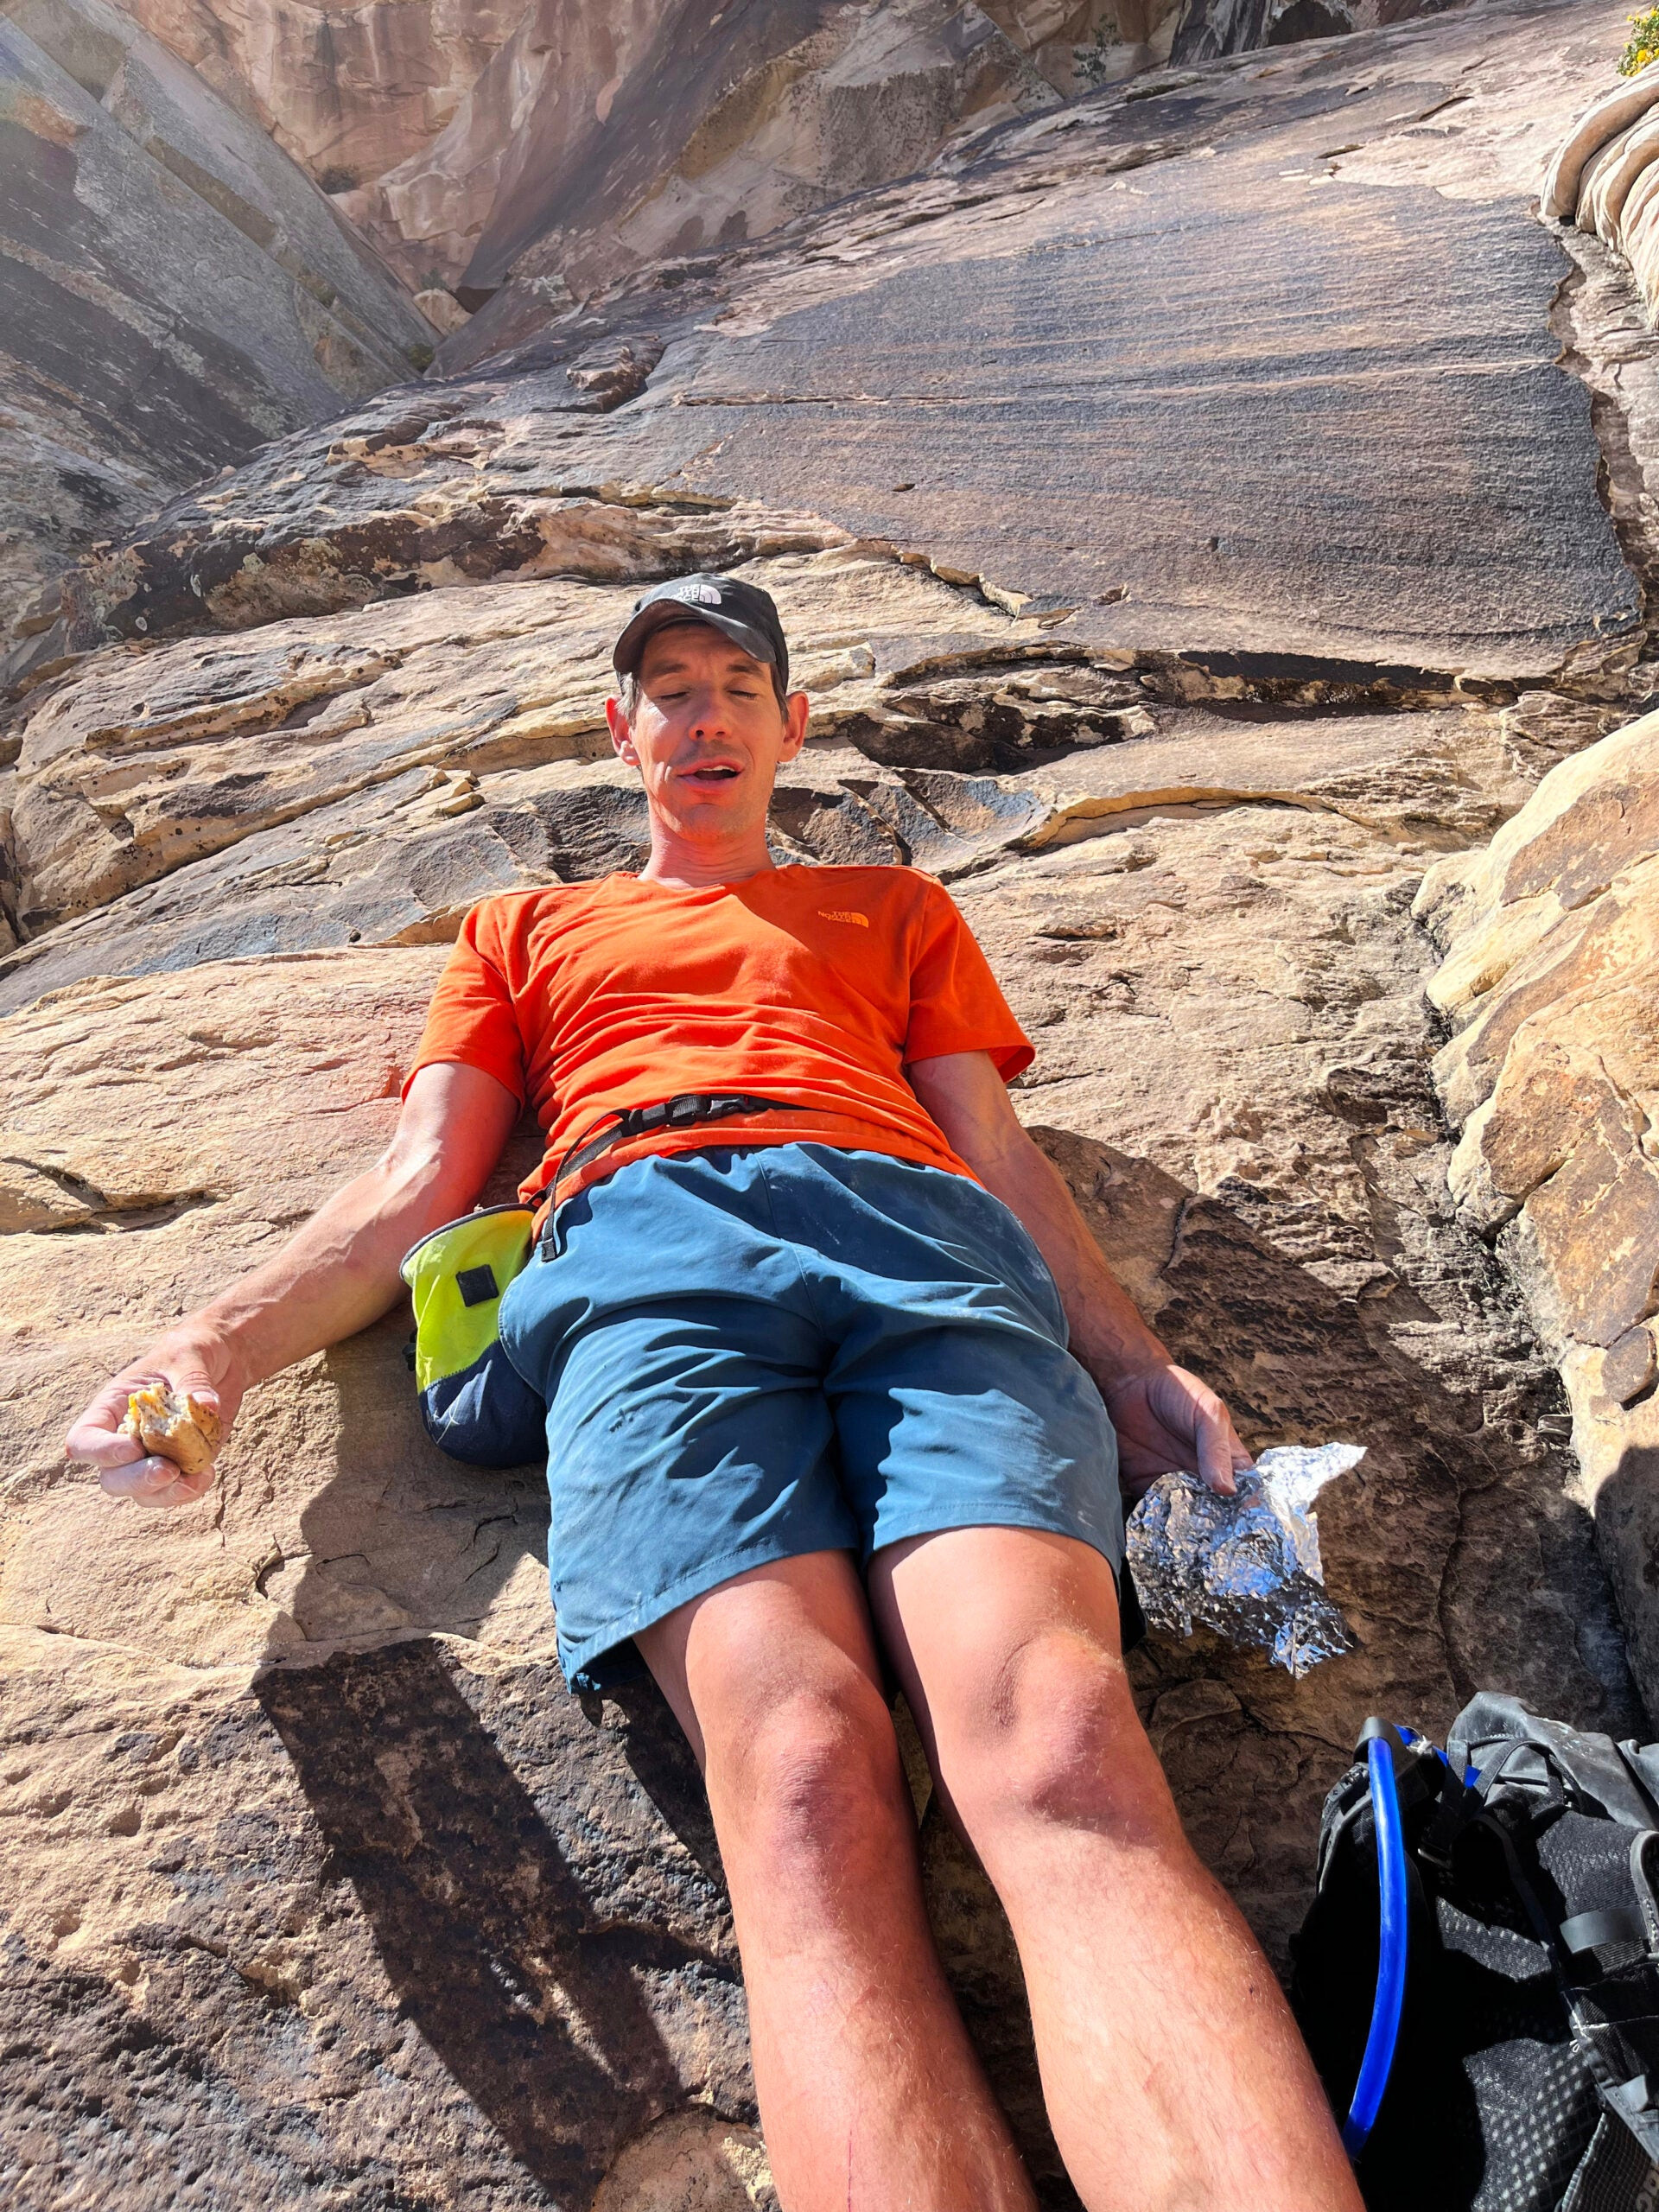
x=1216, y=1443
x=104, y=1447
x=188, y=1377
x=154, y=1482
x=183, y=1490
x=143, y=1478
x=97, y=1435
x=1171, y=1419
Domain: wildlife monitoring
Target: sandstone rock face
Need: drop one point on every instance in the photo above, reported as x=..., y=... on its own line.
x=1603, y=176
x=1205, y=29
x=599, y=140
x=1397, y=474
x=1551, y=977
x=699, y=129
x=320, y=1877
x=1080, y=43
x=442, y=310
x=350, y=91
x=459, y=137
x=173, y=290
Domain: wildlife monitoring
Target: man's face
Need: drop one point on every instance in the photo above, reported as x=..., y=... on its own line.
x=708, y=733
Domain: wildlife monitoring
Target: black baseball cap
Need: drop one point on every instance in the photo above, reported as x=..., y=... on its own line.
x=742, y=611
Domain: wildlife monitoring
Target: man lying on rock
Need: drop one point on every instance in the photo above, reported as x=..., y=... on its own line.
x=809, y=1405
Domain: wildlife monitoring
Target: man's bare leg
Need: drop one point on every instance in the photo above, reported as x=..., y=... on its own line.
x=871, y=2096
x=1172, y=2071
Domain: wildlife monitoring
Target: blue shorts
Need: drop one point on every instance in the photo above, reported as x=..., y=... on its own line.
x=748, y=1353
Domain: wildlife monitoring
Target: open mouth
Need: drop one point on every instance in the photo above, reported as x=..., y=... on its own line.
x=715, y=772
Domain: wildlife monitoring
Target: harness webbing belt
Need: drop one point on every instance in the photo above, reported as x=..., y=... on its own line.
x=685, y=1112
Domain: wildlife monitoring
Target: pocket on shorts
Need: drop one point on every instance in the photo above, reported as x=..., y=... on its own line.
x=1023, y=1260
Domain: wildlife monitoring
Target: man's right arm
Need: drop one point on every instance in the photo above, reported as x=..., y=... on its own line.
x=334, y=1276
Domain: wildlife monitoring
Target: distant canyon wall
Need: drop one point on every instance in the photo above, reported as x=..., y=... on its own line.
x=459, y=137
x=452, y=132
x=174, y=290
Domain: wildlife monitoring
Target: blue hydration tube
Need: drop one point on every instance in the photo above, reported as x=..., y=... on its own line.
x=1390, y=1950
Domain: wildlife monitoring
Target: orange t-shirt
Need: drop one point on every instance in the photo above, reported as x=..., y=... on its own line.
x=813, y=986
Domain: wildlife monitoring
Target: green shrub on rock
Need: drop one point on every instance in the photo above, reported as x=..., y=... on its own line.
x=1093, y=62
x=1644, y=43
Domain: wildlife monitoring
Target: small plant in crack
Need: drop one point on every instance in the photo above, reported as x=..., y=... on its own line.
x=1643, y=46
x=1093, y=63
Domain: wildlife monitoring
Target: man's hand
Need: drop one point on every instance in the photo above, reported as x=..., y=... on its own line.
x=185, y=1360
x=334, y=1276
x=1166, y=1419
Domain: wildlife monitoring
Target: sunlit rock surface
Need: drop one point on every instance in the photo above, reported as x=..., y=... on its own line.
x=1552, y=1077
x=1154, y=368
x=1604, y=177
x=1284, y=585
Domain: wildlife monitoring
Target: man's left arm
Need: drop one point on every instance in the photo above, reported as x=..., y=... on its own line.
x=1165, y=1417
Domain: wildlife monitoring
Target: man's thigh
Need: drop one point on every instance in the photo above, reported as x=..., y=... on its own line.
x=729, y=1659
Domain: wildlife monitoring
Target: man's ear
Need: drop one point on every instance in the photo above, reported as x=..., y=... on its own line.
x=796, y=708
x=621, y=735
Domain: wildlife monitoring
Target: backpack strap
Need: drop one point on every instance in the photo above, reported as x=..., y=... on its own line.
x=1629, y=2098
x=1614, y=2174
x=1588, y=1932
x=1644, y=1880
x=626, y=1123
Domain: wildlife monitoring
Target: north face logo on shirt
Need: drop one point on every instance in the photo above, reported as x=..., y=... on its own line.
x=705, y=595
x=837, y=914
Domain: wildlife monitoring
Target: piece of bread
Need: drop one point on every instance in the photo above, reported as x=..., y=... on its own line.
x=180, y=1429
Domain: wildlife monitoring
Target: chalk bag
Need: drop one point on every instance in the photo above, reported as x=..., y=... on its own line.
x=475, y=1404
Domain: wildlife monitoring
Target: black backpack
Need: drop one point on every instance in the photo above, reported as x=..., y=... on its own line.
x=1478, y=1978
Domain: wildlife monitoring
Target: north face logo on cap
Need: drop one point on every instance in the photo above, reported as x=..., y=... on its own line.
x=705, y=595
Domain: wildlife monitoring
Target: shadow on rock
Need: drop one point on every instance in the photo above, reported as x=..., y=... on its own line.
x=1627, y=1530
x=1456, y=1553
x=545, y=2002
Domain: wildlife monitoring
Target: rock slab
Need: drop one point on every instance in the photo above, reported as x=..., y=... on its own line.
x=1551, y=979
x=1286, y=416
x=324, y=1887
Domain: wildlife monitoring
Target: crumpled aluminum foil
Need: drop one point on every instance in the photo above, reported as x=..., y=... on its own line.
x=1246, y=1565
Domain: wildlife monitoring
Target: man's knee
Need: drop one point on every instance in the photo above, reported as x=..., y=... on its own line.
x=804, y=1775
x=1053, y=1737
